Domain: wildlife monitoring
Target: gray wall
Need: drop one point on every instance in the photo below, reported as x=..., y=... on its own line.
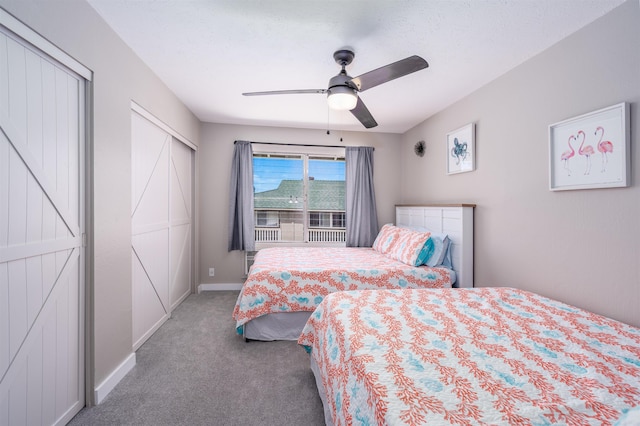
x=216, y=151
x=581, y=247
x=119, y=78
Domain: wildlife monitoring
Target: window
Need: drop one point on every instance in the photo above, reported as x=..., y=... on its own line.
x=320, y=220
x=326, y=220
x=298, y=192
x=337, y=220
x=267, y=218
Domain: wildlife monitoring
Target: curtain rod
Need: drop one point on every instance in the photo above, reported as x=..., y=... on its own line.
x=296, y=144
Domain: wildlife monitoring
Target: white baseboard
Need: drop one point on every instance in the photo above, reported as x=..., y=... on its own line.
x=219, y=287
x=102, y=390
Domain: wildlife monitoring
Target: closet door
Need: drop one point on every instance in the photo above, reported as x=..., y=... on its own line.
x=150, y=148
x=161, y=243
x=180, y=241
x=41, y=231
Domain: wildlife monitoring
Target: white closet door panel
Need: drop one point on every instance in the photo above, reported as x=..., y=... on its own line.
x=17, y=200
x=16, y=70
x=18, y=324
x=49, y=370
x=180, y=262
x=49, y=273
x=152, y=251
x=67, y=174
x=4, y=409
x=31, y=217
x=74, y=357
x=49, y=122
x=153, y=206
x=28, y=286
x=147, y=306
x=180, y=211
x=181, y=182
x=49, y=221
x=34, y=381
x=41, y=157
x=181, y=221
x=34, y=107
x=46, y=362
x=21, y=160
x=5, y=354
x=5, y=148
x=18, y=399
x=149, y=141
x=34, y=210
x=150, y=151
x=34, y=287
x=4, y=76
x=62, y=138
x=62, y=352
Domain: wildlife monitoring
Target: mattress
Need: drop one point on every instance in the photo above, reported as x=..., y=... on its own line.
x=470, y=356
x=296, y=279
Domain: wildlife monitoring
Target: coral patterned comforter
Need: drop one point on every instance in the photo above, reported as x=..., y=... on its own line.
x=496, y=356
x=293, y=279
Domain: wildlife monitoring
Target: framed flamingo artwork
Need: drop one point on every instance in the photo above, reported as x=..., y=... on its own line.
x=461, y=150
x=591, y=150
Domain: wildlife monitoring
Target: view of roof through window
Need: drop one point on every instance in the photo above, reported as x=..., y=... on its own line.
x=291, y=206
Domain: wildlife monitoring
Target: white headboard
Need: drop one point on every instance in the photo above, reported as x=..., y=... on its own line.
x=455, y=220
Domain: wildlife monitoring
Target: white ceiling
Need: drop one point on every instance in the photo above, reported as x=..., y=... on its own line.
x=210, y=51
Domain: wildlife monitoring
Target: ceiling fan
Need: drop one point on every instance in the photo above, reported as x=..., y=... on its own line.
x=342, y=93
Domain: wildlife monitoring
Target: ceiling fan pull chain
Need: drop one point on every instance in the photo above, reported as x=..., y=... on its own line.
x=328, y=111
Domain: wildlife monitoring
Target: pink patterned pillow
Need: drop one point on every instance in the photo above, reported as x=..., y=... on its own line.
x=385, y=238
x=400, y=243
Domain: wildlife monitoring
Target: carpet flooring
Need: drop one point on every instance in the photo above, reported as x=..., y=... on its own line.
x=195, y=370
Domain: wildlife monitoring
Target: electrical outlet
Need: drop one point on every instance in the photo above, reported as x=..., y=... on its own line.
x=212, y=272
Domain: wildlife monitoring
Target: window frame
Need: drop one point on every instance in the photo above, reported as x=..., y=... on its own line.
x=305, y=153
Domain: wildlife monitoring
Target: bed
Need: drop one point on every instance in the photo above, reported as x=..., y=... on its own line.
x=285, y=284
x=469, y=356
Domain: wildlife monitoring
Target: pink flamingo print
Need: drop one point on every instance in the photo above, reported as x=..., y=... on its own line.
x=603, y=147
x=587, y=151
x=566, y=156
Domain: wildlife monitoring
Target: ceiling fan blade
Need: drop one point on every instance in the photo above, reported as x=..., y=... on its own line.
x=363, y=115
x=389, y=72
x=285, y=92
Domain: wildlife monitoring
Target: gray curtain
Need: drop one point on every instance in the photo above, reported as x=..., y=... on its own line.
x=241, y=198
x=361, y=214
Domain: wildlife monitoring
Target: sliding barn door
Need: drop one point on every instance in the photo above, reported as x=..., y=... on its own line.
x=161, y=243
x=150, y=227
x=180, y=236
x=41, y=232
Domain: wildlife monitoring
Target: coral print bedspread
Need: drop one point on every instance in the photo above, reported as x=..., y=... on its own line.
x=291, y=279
x=491, y=356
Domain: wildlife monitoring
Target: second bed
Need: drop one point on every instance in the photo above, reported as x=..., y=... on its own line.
x=286, y=284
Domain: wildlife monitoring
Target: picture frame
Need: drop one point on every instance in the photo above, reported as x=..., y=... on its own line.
x=461, y=150
x=590, y=151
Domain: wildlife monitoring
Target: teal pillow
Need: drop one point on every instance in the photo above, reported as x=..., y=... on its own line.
x=441, y=249
x=426, y=252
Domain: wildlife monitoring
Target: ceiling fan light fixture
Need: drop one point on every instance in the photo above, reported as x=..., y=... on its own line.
x=342, y=98
x=342, y=92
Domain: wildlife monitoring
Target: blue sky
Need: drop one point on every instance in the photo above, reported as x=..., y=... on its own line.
x=268, y=172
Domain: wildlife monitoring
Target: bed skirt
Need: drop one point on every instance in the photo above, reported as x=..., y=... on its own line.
x=277, y=326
